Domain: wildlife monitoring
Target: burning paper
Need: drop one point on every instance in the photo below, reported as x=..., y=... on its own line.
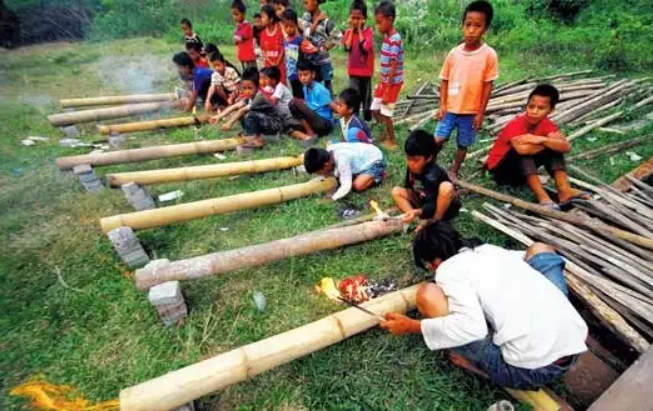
x=327, y=286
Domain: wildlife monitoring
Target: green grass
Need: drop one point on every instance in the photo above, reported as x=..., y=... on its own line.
x=106, y=336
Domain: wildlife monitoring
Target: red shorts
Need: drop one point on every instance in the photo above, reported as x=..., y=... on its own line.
x=388, y=108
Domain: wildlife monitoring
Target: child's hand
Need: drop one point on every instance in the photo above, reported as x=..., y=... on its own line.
x=478, y=121
x=399, y=324
x=215, y=120
x=237, y=39
x=225, y=127
x=440, y=113
x=410, y=216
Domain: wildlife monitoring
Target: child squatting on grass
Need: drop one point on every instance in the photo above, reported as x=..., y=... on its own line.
x=312, y=117
x=225, y=81
x=428, y=193
x=354, y=130
x=467, y=75
x=357, y=166
x=199, y=77
x=529, y=141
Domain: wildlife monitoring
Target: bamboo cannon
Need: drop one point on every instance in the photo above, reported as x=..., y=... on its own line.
x=169, y=175
x=148, y=153
x=153, y=124
x=226, y=261
x=179, y=387
x=115, y=100
x=86, y=116
x=164, y=216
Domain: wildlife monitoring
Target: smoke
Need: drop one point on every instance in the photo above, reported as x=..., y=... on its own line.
x=136, y=74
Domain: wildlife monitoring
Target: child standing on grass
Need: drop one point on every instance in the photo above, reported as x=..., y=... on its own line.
x=529, y=141
x=195, y=52
x=392, y=71
x=312, y=117
x=258, y=28
x=189, y=35
x=428, y=193
x=224, y=84
x=358, y=42
x=272, y=41
x=467, y=75
x=243, y=36
x=323, y=34
x=296, y=49
x=200, y=78
x=354, y=130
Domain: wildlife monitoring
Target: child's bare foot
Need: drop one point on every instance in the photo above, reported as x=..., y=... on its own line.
x=453, y=175
x=390, y=144
x=573, y=194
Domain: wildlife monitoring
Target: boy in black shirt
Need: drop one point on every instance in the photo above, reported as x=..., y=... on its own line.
x=428, y=193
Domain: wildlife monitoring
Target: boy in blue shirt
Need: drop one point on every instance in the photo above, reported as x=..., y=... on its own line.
x=312, y=117
x=354, y=130
x=200, y=78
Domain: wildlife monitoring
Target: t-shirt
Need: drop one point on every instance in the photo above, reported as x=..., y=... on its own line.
x=352, y=159
x=518, y=126
x=356, y=130
x=272, y=49
x=360, y=61
x=283, y=96
x=229, y=80
x=325, y=34
x=426, y=186
x=296, y=49
x=246, y=44
x=318, y=98
x=201, y=77
x=493, y=290
x=392, y=49
x=194, y=38
x=201, y=62
x=467, y=72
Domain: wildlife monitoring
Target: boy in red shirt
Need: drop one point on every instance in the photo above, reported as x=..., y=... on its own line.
x=358, y=42
x=243, y=36
x=531, y=140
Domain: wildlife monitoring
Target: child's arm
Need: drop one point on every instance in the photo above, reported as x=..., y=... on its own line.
x=239, y=114
x=209, y=95
x=192, y=98
x=348, y=39
x=366, y=40
x=391, y=76
x=216, y=119
x=487, y=90
x=345, y=178
x=529, y=144
x=444, y=94
x=221, y=93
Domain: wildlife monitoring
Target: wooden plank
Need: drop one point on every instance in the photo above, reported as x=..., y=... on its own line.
x=632, y=390
x=642, y=172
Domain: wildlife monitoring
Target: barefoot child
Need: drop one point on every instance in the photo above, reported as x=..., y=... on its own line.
x=243, y=36
x=358, y=42
x=199, y=77
x=323, y=34
x=189, y=35
x=357, y=166
x=467, y=75
x=272, y=41
x=224, y=84
x=312, y=117
x=194, y=50
x=529, y=141
x=392, y=71
x=354, y=130
x=296, y=49
x=428, y=193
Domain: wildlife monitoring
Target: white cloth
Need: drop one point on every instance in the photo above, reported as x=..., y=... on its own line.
x=533, y=322
x=352, y=159
x=283, y=96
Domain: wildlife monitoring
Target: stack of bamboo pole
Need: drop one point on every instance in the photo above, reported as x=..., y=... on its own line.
x=116, y=100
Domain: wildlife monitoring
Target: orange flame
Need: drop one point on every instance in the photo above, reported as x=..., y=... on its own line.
x=328, y=287
x=46, y=396
x=375, y=207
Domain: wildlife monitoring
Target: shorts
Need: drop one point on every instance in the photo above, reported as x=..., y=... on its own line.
x=417, y=201
x=463, y=122
x=377, y=103
x=326, y=72
x=514, y=168
x=376, y=171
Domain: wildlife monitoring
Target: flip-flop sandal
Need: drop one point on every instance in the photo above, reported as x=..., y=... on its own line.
x=576, y=198
x=551, y=206
x=348, y=213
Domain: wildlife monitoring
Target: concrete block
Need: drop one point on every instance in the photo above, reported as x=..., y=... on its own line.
x=186, y=407
x=169, y=302
x=308, y=143
x=70, y=131
x=139, y=197
x=128, y=247
x=117, y=140
x=89, y=178
x=244, y=151
x=82, y=169
x=130, y=188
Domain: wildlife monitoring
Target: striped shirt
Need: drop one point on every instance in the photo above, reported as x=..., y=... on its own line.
x=392, y=49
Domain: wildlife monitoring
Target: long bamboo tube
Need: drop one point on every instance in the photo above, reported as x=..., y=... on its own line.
x=108, y=100
x=99, y=114
x=153, y=124
x=149, y=153
x=160, y=217
x=168, y=175
x=187, y=384
x=252, y=256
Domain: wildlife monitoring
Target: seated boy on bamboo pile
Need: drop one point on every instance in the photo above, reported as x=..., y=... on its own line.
x=428, y=193
x=225, y=81
x=257, y=114
x=312, y=117
x=503, y=315
x=529, y=141
x=200, y=79
x=357, y=166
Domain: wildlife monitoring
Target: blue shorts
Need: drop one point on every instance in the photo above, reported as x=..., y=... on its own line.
x=376, y=171
x=485, y=355
x=326, y=72
x=463, y=122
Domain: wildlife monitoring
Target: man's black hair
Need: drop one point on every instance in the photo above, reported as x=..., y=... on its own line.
x=284, y=3
x=306, y=66
x=210, y=48
x=194, y=46
x=438, y=239
x=290, y=15
x=360, y=6
x=272, y=15
x=186, y=22
x=315, y=159
x=183, y=59
x=420, y=143
x=546, y=90
x=239, y=5
x=257, y=15
x=272, y=72
x=251, y=74
x=352, y=98
x=386, y=8
x=480, y=6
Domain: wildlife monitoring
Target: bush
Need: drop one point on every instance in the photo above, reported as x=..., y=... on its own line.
x=564, y=11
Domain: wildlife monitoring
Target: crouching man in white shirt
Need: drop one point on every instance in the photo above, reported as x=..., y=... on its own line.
x=503, y=314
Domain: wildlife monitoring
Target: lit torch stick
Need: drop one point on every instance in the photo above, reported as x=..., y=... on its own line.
x=380, y=214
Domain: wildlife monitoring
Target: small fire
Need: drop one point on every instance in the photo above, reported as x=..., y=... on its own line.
x=328, y=287
x=375, y=207
x=46, y=396
x=194, y=110
x=355, y=288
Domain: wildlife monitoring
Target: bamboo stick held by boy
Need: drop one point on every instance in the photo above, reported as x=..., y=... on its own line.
x=467, y=75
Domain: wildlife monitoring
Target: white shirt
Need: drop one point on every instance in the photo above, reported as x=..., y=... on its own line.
x=533, y=322
x=229, y=80
x=283, y=95
x=352, y=159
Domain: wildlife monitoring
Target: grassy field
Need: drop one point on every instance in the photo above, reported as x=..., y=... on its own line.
x=101, y=335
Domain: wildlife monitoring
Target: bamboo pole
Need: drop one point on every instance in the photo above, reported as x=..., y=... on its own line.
x=168, y=175
x=85, y=116
x=611, y=148
x=252, y=256
x=148, y=153
x=109, y=100
x=642, y=172
x=194, y=381
x=153, y=124
x=164, y=216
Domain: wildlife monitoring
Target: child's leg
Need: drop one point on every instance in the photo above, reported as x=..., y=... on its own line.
x=446, y=195
x=465, y=138
x=301, y=112
x=370, y=177
x=390, y=141
x=362, y=182
x=555, y=165
x=443, y=131
x=253, y=124
x=366, y=97
x=297, y=89
x=404, y=199
x=534, y=183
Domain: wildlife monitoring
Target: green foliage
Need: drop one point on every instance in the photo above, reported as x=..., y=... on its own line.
x=564, y=11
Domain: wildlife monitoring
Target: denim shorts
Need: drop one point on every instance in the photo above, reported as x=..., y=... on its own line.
x=326, y=72
x=487, y=356
x=376, y=171
x=464, y=123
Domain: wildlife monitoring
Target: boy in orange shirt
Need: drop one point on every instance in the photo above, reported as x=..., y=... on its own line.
x=467, y=75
